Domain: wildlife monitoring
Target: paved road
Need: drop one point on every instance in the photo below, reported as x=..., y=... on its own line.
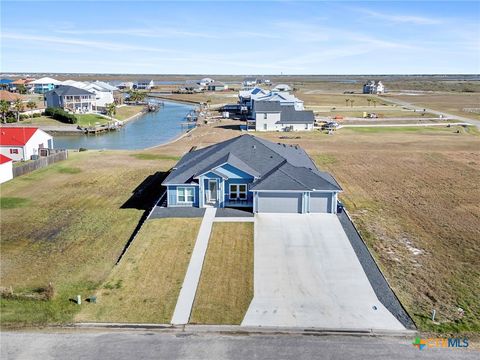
x=306, y=274
x=127, y=345
x=436, y=112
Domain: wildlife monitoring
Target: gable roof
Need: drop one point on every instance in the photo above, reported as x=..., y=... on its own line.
x=275, y=166
x=10, y=97
x=45, y=80
x=105, y=85
x=267, y=106
x=64, y=90
x=16, y=136
x=290, y=115
x=4, y=159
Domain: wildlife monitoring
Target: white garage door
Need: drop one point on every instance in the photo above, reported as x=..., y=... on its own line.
x=279, y=202
x=320, y=202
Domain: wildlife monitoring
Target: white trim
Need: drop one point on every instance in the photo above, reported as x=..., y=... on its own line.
x=309, y=191
x=238, y=191
x=221, y=175
x=209, y=191
x=185, y=195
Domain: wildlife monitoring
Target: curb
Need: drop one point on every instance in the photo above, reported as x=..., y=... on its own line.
x=245, y=330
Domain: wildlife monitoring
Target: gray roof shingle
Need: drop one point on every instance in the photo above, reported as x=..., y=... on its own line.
x=275, y=166
x=66, y=90
x=290, y=115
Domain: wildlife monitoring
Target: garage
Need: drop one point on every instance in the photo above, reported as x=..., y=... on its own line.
x=279, y=202
x=320, y=202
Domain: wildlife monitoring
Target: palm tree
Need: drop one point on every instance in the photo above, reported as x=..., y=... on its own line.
x=369, y=101
x=18, y=106
x=374, y=102
x=346, y=102
x=351, y=102
x=4, y=108
x=111, y=110
x=32, y=105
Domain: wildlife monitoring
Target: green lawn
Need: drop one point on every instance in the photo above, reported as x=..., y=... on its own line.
x=144, y=287
x=64, y=225
x=226, y=284
x=91, y=119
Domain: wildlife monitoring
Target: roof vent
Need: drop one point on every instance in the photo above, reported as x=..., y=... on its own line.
x=254, y=147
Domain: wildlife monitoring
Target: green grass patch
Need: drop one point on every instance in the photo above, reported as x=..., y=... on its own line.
x=143, y=156
x=325, y=159
x=13, y=202
x=91, y=120
x=68, y=170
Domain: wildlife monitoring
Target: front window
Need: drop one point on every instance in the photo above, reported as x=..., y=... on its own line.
x=238, y=191
x=185, y=194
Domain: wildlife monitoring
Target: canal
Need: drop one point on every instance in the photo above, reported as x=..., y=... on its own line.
x=149, y=129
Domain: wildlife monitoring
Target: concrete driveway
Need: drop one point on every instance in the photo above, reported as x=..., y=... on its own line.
x=306, y=274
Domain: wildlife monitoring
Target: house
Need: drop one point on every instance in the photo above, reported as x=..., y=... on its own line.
x=191, y=87
x=251, y=172
x=43, y=85
x=11, y=97
x=70, y=98
x=205, y=82
x=285, y=98
x=127, y=85
x=20, y=143
x=217, y=86
x=273, y=116
x=143, y=85
x=249, y=82
x=282, y=87
x=14, y=86
x=6, y=169
x=5, y=83
x=373, y=87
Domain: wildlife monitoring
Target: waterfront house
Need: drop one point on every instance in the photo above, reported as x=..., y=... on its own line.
x=143, y=85
x=11, y=97
x=5, y=83
x=43, y=85
x=20, y=143
x=217, y=86
x=273, y=116
x=191, y=87
x=251, y=172
x=70, y=98
x=14, y=86
x=6, y=169
x=373, y=87
x=126, y=85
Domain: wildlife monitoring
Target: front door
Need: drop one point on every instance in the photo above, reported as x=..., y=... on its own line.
x=212, y=191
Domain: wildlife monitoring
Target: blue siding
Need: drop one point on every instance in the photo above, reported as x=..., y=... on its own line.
x=233, y=173
x=172, y=196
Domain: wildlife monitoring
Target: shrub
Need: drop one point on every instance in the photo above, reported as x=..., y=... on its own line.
x=36, y=115
x=23, y=117
x=82, y=149
x=60, y=115
x=11, y=119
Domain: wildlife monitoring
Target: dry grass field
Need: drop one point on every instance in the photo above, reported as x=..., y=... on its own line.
x=226, y=284
x=125, y=112
x=453, y=103
x=413, y=192
x=144, y=286
x=64, y=225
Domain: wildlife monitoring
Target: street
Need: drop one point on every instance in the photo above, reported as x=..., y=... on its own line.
x=121, y=344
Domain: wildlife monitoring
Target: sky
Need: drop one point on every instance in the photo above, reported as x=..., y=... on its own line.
x=244, y=37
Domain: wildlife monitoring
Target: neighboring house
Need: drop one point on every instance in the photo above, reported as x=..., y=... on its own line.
x=246, y=97
x=250, y=172
x=273, y=116
x=285, y=98
x=373, y=87
x=43, y=85
x=217, y=86
x=249, y=82
x=205, y=82
x=6, y=169
x=5, y=83
x=143, y=85
x=127, y=85
x=102, y=95
x=20, y=143
x=282, y=87
x=14, y=85
x=105, y=85
x=70, y=98
x=11, y=97
x=191, y=87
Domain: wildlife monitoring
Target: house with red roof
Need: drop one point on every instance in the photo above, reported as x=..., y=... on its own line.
x=6, y=169
x=21, y=143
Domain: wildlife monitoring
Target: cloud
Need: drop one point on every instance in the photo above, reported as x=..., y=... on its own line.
x=398, y=18
x=80, y=42
x=153, y=32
